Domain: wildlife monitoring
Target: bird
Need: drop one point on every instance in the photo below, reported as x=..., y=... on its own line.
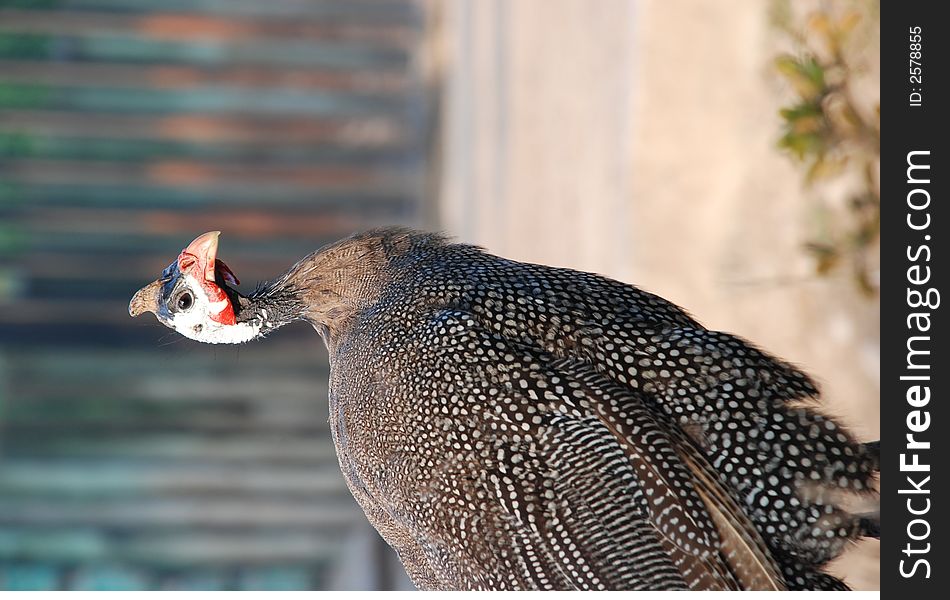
x=506, y=425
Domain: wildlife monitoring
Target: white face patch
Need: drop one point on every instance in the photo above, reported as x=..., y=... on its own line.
x=196, y=322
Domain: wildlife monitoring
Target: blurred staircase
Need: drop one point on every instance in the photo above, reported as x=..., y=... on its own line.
x=129, y=457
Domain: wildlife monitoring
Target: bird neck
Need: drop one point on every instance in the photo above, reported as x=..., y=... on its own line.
x=267, y=308
x=332, y=286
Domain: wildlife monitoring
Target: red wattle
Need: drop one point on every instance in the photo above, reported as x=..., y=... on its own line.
x=216, y=294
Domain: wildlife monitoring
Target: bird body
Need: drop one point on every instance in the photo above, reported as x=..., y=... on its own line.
x=514, y=426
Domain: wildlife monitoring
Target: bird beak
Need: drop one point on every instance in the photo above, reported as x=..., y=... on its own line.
x=145, y=300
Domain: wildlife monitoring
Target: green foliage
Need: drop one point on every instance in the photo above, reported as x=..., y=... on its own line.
x=12, y=239
x=9, y=193
x=24, y=45
x=15, y=145
x=833, y=136
x=23, y=96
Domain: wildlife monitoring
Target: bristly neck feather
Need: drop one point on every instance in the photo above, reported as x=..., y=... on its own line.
x=271, y=305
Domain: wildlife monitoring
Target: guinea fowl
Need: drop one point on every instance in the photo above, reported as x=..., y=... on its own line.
x=516, y=426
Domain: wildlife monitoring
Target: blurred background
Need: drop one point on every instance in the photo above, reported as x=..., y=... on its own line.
x=723, y=155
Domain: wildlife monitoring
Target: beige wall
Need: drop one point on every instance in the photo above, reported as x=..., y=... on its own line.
x=637, y=139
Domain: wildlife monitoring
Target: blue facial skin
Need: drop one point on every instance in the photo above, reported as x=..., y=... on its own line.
x=169, y=279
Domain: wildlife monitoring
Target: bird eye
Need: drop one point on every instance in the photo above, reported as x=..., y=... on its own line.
x=185, y=301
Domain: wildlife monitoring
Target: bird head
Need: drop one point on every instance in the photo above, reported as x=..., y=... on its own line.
x=193, y=298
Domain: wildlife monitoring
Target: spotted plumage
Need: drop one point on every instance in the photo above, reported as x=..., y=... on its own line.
x=515, y=426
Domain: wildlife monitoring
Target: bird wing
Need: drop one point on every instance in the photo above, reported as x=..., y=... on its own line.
x=551, y=475
x=683, y=473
